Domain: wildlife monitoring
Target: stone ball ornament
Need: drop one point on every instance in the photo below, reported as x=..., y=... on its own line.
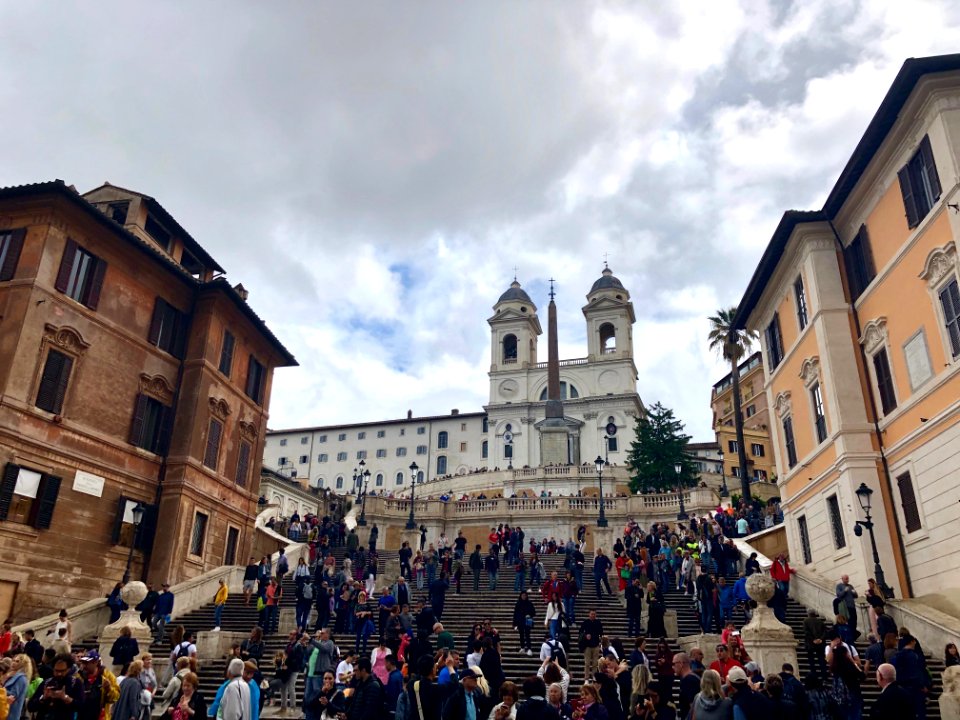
x=761, y=588
x=133, y=593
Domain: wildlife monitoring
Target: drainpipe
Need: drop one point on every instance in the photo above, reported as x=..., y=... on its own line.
x=888, y=481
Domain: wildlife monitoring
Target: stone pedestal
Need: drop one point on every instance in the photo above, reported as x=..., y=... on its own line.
x=768, y=641
x=950, y=699
x=603, y=537
x=670, y=623
x=412, y=537
x=133, y=593
x=212, y=645
x=288, y=620
x=705, y=641
x=391, y=571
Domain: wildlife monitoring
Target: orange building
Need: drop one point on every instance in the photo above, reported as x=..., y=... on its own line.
x=859, y=311
x=131, y=372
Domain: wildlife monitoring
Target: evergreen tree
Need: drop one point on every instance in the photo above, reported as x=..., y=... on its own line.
x=660, y=445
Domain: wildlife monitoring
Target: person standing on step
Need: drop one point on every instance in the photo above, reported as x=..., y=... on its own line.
x=353, y=542
x=438, y=594
x=634, y=596
x=372, y=540
x=304, y=593
x=591, y=632
x=219, y=600
x=430, y=563
x=656, y=610
x=570, y=592
x=846, y=603
x=162, y=612
x=476, y=565
x=283, y=566
x=523, y=618
x=459, y=546
x=235, y=704
x=405, y=554
x=601, y=566
x=520, y=574
x=250, y=576
x=492, y=566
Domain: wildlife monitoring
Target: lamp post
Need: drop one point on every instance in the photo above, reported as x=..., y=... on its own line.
x=724, y=492
x=411, y=522
x=864, y=494
x=137, y=511
x=682, y=515
x=602, y=517
x=362, y=521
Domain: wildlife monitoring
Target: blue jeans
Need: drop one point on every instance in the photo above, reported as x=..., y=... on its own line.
x=706, y=616
x=271, y=619
x=554, y=624
x=578, y=576
x=493, y=580
x=431, y=574
x=518, y=581
x=303, y=613
x=217, y=615
x=570, y=608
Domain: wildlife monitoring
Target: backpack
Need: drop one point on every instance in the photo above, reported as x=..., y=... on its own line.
x=557, y=653
x=283, y=565
x=183, y=650
x=839, y=693
x=307, y=591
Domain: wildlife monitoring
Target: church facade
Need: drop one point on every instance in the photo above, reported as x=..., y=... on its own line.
x=597, y=392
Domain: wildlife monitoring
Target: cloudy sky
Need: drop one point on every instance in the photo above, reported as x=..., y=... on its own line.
x=373, y=172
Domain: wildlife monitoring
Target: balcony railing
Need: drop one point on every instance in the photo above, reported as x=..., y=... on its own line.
x=565, y=363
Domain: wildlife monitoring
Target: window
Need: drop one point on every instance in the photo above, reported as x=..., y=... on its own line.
x=421, y=430
x=399, y=479
x=612, y=444
x=304, y=440
x=150, y=427
x=322, y=438
x=168, y=329
x=379, y=479
x=484, y=449
x=361, y=454
x=735, y=471
x=508, y=451
x=732, y=446
x=123, y=527
x=836, y=522
x=751, y=410
x=403, y=431
x=199, y=534
x=485, y=424
x=608, y=339
x=510, y=349
x=801, y=299
x=881, y=369
x=27, y=496
x=304, y=459
x=322, y=457
x=282, y=460
x=157, y=231
x=382, y=453
x=212, y=454
x=804, y=539
x=442, y=440
x=11, y=243
x=341, y=437
x=340, y=482
x=919, y=184
x=774, y=343
x=463, y=447
x=858, y=259
x=118, y=212
x=53, y=382
x=908, y=502
x=950, y=303
x=361, y=436
x=788, y=442
x=567, y=392
x=341, y=456
x=419, y=476
x=381, y=433
x=819, y=419
x=760, y=475
x=421, y=449
x=442, y=465
x=81, y=275
x=256, y=380
x=283, y=442
x=226, y=353
x=756, y=449
x=230, y=554
x=401, y=452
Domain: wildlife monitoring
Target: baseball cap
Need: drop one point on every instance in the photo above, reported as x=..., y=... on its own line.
x=736, y=675
x=91, y=656
x=468, y=673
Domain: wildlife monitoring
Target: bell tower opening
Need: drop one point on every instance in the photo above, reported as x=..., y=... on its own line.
x=608, y=338
x=509, y=349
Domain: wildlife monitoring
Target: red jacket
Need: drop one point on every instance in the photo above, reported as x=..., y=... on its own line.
x=781, y=571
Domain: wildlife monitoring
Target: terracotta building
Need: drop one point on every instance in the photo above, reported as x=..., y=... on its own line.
x=130, y=372
x=859, y=312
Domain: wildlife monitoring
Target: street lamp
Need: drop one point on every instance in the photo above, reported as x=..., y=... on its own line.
x=137, y=512
x=863, y=495
x=365, y=475
x=682, y=515
x=358, y=477
x=723, y=477
x=602, y=518
x=411, y=522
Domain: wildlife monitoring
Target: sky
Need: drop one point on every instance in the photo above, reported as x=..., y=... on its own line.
x=373, y=172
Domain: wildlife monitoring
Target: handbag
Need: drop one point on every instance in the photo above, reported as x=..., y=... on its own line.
x=528, y=621
x=625, y=573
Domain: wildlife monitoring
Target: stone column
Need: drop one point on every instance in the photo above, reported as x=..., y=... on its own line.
x=950, y=699
x=133, y=594
x=768, y=641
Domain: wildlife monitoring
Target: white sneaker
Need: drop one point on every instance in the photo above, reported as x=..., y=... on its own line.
x=217, y=629
x=529, y=652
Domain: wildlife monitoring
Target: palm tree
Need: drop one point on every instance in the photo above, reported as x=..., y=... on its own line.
x=732, y=344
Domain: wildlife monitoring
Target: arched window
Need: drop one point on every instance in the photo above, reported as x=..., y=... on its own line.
x=399, y=478
x=484, y=449
x=320, y=482
x=442, y=440
x=608, y=338
x=510, y=349
x=567, y=391
x=339, y=482
x=420, y=476
x=485, y=423
x=379, y=479
x=442, y=465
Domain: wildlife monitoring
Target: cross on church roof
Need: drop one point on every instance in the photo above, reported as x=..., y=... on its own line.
x=515, y=268
x=552, y=293
x=605, y=264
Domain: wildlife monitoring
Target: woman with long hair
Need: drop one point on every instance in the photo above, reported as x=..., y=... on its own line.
x=328, y=701
x=523, y=614
x=591, y=707
x=506, y=709
x=553, y=615
x=950, y=655
x=640, y=679
x=874, y=599
x=845, y=679
x=130, y=705
x=657, y=610
x=16, y=683
x=664, y=663
x=709, y=703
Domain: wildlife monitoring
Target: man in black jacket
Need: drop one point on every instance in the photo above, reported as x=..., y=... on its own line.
x=467, y=698
x=367, y=700
x=590, y=633
x=476, y=565
x=634, y=597
x=60, y=696
x=535, y=707
x=894, y=702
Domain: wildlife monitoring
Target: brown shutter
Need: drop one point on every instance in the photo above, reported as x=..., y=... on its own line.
x=908, y=500
x=46, y=501
x=927, y=153
x=10, y=260
x=159, y=309
x=251, y=377
x=53, y=382
x=243, y=464
x=96, y=283
x=61, y=392
x=906, y=190
x=118, y=520
x=10, y=473
x=179, y=341
x=869, y=268
x=66, y=266
x=146, y=529
x=136, y=425
x=166, y=430
x=213, y=444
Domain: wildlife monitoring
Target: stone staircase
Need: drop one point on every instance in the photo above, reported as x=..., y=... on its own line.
x=462, y=611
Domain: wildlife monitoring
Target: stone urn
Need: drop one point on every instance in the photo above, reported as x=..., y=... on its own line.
x=769, y=641
x=133, y=594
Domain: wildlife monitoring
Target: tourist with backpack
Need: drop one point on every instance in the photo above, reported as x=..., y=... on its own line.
x=523, y=614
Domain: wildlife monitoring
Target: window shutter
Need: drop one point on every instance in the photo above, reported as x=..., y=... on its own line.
x=61, y=391
x=96, y=283
x=213, y=444
x=226, y=353
x=180, y=324
x=927, y=153
x=909, y=203
x=118, y=520
x=10, y=473
x=53, y=382
x=46, y=501
x=159, y=309
x=146, y=529
x=66, y=266
x=908, y=500
x=950, y=302
x=869, y=269
x=243, y=464
x=10, y=260
x=251, y=379
x=166, y=431
x=136, y=425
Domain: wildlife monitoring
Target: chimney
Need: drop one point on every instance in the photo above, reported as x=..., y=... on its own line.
x=409, y=414
x=454, y=412
x=241, y=291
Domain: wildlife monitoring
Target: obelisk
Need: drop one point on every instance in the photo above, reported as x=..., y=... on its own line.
x=554, y=433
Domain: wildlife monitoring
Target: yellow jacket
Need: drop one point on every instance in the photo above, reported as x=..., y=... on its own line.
x=109, y=692
x=221, y=597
